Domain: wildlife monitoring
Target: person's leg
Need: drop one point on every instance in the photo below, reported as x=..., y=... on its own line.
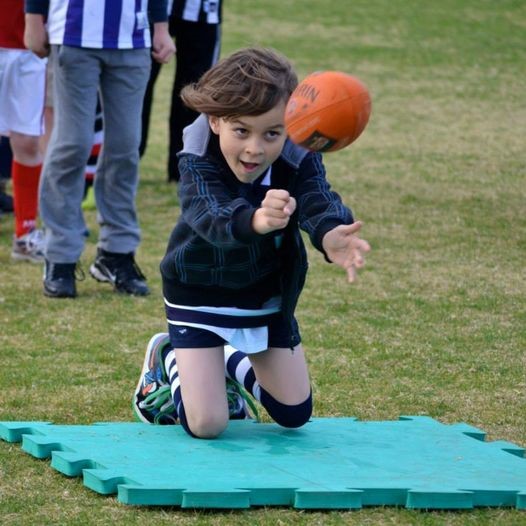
x=25, y=80
x=200, y=390
x=239, y=369
x=197, y=50
x=27, y=164
x=278, y=378
x=76, y=78
x=283, y=373
x=48, y=110
x=123, y=82
x=88, y=202
x=285, y=390
x=147, y=105
x=44, y=139
x=6, y=159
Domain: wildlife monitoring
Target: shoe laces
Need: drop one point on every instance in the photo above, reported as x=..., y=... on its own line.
x=162, y=401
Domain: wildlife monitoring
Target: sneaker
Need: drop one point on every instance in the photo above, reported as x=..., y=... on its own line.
x=121, y=271
x=239, y=402
x=59, y=279
x=29, y=247
x=152, y=402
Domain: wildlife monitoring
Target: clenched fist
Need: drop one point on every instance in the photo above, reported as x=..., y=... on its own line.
x=275, y=211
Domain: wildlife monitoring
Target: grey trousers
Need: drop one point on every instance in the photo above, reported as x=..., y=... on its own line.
x=121, y=76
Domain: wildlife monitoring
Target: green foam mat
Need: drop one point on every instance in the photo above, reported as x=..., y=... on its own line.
x=330, y=463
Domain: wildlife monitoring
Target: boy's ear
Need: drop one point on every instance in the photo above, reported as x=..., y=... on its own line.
x=214, y=124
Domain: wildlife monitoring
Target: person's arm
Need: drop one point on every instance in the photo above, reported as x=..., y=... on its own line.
x=320, y=208
x=275, y=211
x=157, y=11
x=163, y=46
x=216, y=213
x=329, y=223
x=344, y=248
x=35, y=34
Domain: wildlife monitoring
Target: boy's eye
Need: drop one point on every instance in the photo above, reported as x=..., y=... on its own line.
x=273, y=134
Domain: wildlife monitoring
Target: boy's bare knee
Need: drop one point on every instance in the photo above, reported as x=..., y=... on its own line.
x=207, y=425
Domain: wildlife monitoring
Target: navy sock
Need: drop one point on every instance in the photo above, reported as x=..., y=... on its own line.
x=239, y=369
x=287, y=415
x=175, y=388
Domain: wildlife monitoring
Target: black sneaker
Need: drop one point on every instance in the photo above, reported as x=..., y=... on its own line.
x=121, y=271
x=59, y=280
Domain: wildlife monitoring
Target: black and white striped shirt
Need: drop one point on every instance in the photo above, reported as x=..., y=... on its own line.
x=207, y=11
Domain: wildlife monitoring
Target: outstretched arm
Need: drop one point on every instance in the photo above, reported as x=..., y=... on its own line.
x=344, y=248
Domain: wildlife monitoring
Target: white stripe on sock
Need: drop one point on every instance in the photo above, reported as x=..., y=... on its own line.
x=242, y=369
x=256, y=391
x=173, y=374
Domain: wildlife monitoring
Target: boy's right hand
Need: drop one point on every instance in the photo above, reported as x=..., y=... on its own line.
x=35, y=35
x=275, y=211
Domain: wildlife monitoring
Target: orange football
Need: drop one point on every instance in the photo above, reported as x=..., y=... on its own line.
x=327, y=111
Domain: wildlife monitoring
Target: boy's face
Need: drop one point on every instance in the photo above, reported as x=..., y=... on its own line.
x=250, y=144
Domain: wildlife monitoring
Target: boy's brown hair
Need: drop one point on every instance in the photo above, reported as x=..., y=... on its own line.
x=251, y=81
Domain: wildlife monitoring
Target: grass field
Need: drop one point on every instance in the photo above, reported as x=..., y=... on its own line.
x=436, y=323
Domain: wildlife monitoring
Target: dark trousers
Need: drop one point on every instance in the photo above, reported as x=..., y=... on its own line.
x=6, y=158
x=197, y=50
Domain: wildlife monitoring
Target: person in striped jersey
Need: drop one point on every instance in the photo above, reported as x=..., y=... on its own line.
x=95, y=47
x=196, y=27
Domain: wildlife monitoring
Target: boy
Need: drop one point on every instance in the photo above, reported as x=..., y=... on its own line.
x=235, y=263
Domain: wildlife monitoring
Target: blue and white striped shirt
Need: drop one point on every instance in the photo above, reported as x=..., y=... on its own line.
x=100, y=24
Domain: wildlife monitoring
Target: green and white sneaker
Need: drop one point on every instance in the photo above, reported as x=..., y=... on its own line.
x=152, y=402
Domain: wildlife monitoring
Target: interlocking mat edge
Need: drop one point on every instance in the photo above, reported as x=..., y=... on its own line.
x=330, y=463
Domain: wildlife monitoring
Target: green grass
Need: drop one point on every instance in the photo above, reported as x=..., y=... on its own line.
x=435, y=324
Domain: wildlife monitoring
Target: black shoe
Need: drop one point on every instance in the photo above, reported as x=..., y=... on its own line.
x=120, y=270
x=59, y=280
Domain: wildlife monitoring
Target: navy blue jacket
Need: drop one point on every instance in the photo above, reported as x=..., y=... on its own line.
x=214, y=257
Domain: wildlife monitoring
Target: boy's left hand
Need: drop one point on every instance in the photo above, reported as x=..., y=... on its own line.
x=344, y=248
